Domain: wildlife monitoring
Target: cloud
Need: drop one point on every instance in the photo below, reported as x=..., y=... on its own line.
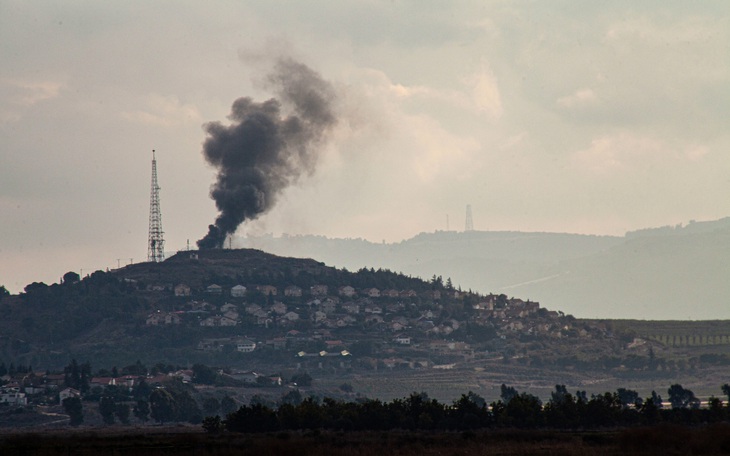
x=622, y=152
x=19, y=95
x=485, y=92
x=162, y=111
x=581, y=97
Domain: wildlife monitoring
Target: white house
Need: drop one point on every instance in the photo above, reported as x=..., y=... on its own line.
x=246, y=346
x=218, y=320
x=318, y=290
x=279, y=308
x=372, y=292
x=293, y=290
x=182, y=290
x=351, y=307
x=163, y=318
x=267, y=289
x=229, y=307
x=214, y=289
x=68, y=392
x=346, y=291
x=12, y=396
x=402, y=340
x=239, y=291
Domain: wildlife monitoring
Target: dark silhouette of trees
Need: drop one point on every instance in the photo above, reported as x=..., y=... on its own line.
x=141, y=410
x=418, y=412
x=254, y=418
x=203, y=374
x=228, y=405
x=72, y=406
x=211, y=406
x=162, y=406
x=302, y=379
x=121, y=411
x=77, y=376
x=682, y=398
x=107, y=407
x=70, y=278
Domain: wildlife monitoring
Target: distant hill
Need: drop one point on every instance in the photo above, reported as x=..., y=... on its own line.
x=676, y=273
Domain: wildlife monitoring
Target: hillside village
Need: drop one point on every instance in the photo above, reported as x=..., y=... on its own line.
x=247, y=324
x=341, y=326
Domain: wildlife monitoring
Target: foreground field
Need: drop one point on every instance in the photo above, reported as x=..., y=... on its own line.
x=667, y=440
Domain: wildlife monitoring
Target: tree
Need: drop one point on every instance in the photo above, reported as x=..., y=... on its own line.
x=71, y=278
x=203, y=374
x=3, y=292
x=186, y=407
x=523, y=410
x=293, y=397
x=211, y=406
x=303, y=379
x=681, y=397
x=629, y=397
x=85, y=377
x=346, y=387
x=135, y=369
x=650, y=410
x=142, y=410
x=656, y=399
x=107, y=407
x=141, y=390
x=162, y=406
x=122, y=413
x=35, y=287
x=213, y=424
x=228, y=405
x=72, y=406
x=726, y=390
x=254, y=418
x=507, y=393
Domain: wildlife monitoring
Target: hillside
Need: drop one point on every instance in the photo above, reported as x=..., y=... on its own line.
x=674, y=273
x=384, y=333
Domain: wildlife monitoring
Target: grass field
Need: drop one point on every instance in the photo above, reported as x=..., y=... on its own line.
x=666, y=440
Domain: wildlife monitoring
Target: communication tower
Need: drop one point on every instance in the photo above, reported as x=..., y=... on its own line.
x=469, y=226
x=155, y=242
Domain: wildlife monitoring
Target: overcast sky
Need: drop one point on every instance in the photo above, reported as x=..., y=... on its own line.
x=544, y=116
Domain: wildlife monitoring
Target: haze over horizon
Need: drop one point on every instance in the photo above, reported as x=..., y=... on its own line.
x=559, y=117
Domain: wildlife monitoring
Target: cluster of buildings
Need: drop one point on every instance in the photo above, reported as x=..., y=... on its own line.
x=296, y=318
x=29, y=388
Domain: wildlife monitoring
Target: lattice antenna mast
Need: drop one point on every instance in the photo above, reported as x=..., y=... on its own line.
x=155, y=242
x=469, y=226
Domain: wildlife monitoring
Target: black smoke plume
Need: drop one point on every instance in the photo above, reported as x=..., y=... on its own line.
x=264, y=150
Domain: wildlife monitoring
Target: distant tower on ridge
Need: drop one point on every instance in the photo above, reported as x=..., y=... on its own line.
x=469, y=226
x=155, y=241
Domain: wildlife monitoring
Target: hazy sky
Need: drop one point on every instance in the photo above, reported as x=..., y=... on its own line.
x=583, y=117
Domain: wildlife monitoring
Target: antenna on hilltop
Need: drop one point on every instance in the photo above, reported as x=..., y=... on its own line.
x=155, y=241
x=469, y=226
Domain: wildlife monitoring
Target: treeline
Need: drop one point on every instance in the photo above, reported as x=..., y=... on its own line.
x=60, y=312
x=622, y=408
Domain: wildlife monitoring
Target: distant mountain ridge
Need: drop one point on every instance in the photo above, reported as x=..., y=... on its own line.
x=677, y=272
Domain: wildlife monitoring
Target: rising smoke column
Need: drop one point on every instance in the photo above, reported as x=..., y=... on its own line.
x=263, y=150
